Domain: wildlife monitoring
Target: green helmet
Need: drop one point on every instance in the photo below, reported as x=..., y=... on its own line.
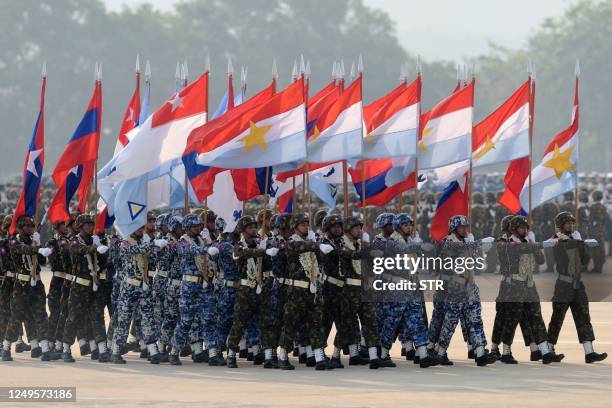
x=244, y=222
x=319, y=217
x=351, y=222
x=298, y=219
x=330, y=220
x=518, y=221
x=562, y=218
x=83, y=219
x=477, y=198
x=505, y=223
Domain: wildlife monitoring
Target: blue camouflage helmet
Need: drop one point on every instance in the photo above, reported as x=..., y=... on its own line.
x=456, y=221
x=401, y=219
x=161, y=220
x=220, y=224
x=173, y=221
x=384, y=219
x=191, y=220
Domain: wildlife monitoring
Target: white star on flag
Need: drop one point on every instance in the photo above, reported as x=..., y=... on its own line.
x=176, y=102
x=31, y=167
x=131, y=117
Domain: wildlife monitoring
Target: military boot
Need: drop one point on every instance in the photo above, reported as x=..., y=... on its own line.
x=174, y=359
x=104, y=357
x=552, y=357
x=285, y=365
x=155, y=358
x=20, y=347
x=36, y=352
x=387, y=362
x=95, y=354
x=231, y=362
x=535, y=356
x=259, y=358
x=508, y=359
x=117, y=359
x=595, y=357
x=67, y=357
x=335, y=362
x=6, y=355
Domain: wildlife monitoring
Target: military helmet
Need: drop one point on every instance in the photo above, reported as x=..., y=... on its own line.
x=161, y=220
x=456, y=221
x=402, y=218
x=351, y=222
x=7, y=220
x=319, y=217
x=562, y=218
x=82, y=220
x=244, y=222
x=174, y=221
x=282, y=221
x=25, y=220
x=330, y=220
x=597, y=195
x=477, y=198
x=505, y=223
x=298, y=219
x=490, y=197
x=220, y=224
x=260, y=215
x=384, y=219
x=518, y=221
x=151, y=216
x=208, y=215
x=58, y=224
x=191, y=220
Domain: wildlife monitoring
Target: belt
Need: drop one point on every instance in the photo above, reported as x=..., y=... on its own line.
x=83, y=281
x=566, y=278
x=280, y=280
x=301, y=284
x=59, y=274
x=192, y=278
x=163, y=274
x=23, y=277
x=288, y=282
x=246, y=282
x=267, y=274
x=133, y=282
x=102, y=275
x=69, y=277
x=10, y=274
x=176, y=282
x=334, y=281
x=353, y=282
x=232, y=283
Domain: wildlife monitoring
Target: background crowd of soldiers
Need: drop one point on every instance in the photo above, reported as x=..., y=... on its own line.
x=183, y=286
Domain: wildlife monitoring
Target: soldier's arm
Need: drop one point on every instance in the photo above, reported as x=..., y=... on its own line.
x=242, y=251
x=79, y=249
x=185, y=248
x=23, y=249
x=408, y=248
x=299, y=247
x=136, y=249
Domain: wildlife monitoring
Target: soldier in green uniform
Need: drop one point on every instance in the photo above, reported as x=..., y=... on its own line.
x=599, y=219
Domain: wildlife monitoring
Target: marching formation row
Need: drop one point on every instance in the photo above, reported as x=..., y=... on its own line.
x=186, y=286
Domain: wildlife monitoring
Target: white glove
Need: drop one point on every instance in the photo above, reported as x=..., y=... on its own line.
x=326, y=248
x=591, y=242
x=576, y=235
x=212, y=251
x=272, y=251
x=102, y=249
x=258, y=290
x=96, y=240
x=45, y=251
x=549, y=243
x=427, y=246
x=487, y=240
x=205, y=234
x=365, y=237
x=160, y=243
x=145, y=286
x=146, y=238
x=33, y=281
x=470, y=237
x=95, y=287
x=417, y=237
x=262, y=244
x=36, y=238
x=311, y=235
x=530, y=236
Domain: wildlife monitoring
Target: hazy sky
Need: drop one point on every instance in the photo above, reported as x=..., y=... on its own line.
x=449, y=29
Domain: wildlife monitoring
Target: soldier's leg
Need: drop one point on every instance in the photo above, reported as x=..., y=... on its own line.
x=171, y=315
x=38, y=307
x=226, y=303
x=556, y=321
x=148, y=324
x=582, y=316
x=53, y=302
x=189, y=311
x=244, y=311
x=452, y=312
x=210, y=329
x=293, y=320
x=393, y=313
x=5, y=303
x=435, y=324
x=416, y=326
x=18, y=307
x=63, y=315
x=126, y=303
x=75, y=320
x=98, y=328
x=251, y=336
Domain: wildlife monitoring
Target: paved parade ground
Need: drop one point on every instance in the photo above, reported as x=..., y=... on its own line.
x=138, y=383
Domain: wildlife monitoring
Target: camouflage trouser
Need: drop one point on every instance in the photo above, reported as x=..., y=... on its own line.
x=472, y=313
x=114, y=298
x=302, y=313
x=225, y=307
x=54, y=298
x=85, y=315
x=437, y=318
x=191, y=300
x=63, y=315
x=247, y=308
x=105, y=292
x=27, y=302
x=565, y=297
x=411, y=314
x=404, y=332
x=209, y=318
x=529, y=315
x=550, y=259
x=279, y=311
x=332, y=295
x=159, y=288
x=171, y=308
x=131, y=298
x=352, y=312
x=6, y=289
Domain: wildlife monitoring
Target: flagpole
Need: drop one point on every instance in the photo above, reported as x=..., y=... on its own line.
x=364, y=210
x=402, y=78
x=470, y=186
x=42, y=113
x=98, y=75
x=416, y=156
x=531, y=72
x=340, y=79
x=574, y=116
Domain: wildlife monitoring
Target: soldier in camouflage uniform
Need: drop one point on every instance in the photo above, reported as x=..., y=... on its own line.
x=83, y=310
x=28, y=295
x=599, y=219
x=569, y=289
x=522, y=254
x=318, y=222
x=252, y=255
x=160, y=280
x=136, y=294
x=547, y=229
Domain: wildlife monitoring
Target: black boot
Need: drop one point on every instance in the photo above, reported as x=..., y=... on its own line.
x=403, y=353
x=46, y=356
x=216, y=361
x=486, y=359
x=259, y=358
x=387, y=362
x=302, y=358
x=174, y=359
x=428, y=362
x=243, y=353
x=67, y=357
x=358, y=360
x=444, y=360
x=117, y=359
x=336, y=363
x=231, y=362
x=104, y=357
x=85, y=350
x=250, y=356
x=36, y=352
x=21, y=347
x=186, y=351
x=6, y=355
x=345, y=350
x=155, y=358
x=375, y=364
x=552, y=357
x=311, y=362
x=285, y=365
x=410, y=354
x=497, y=354
x=535, y=356
x=296, y=352
x=508, y=359
x=131, y=346
x=198, y=358
x=163, y=357
x=595, y=357
x=471, y=354
x=271, y=363
x=95, y=354
x=322, y=365
x=144, y=353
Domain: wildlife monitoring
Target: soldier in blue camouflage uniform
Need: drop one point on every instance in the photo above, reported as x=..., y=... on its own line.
x=461, y=295
x=136, y=293
x=163, y=263
x=193, y=254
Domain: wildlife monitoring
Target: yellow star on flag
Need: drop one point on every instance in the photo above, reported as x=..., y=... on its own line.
x=560, y=161
x=255, y=137
x=485, y=149
x=369, y=137
x=426, y=131
x=315, y=135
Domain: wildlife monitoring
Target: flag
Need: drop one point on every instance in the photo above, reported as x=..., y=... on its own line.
x=516, y=174
x=33, y=167
x=267, y=135
x=392, y=123
x=75, y=168
x=284, y=195
x=454, y=201
x=326, y=192
x=130, y=118
x=162, y=137
x=224, y=202
x=338, y=131
x=384, y=179
x=504, y=135
x=446, y=130
x=557, y=172
x=251, y=183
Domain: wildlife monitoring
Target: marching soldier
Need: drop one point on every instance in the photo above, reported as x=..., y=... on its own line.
x=569, y=289
x=599, y=219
